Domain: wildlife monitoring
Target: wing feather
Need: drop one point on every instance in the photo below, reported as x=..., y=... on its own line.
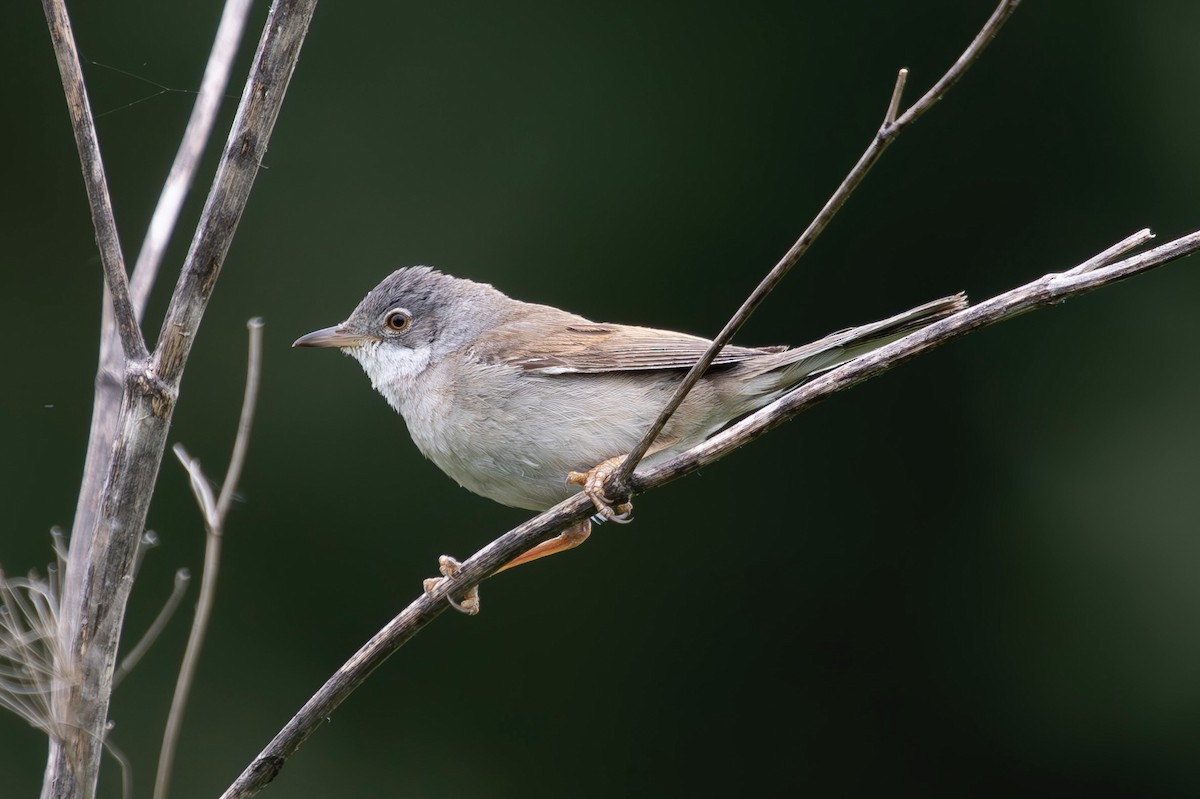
x=544, y=340
x=590, y=348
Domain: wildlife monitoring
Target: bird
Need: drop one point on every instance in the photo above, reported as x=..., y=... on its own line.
x=527, y=404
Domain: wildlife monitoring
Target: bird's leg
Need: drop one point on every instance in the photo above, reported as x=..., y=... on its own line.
x=593, y=485
x=569, y=538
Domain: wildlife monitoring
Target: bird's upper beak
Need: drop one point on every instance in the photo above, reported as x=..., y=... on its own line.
x=336, y=336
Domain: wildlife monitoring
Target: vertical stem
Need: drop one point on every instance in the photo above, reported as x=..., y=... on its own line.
x=100, y=570
x=214, y=526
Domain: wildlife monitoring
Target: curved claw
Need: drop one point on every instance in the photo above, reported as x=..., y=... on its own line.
x=470, y=603
x=449, y=567
x=622, y=514
x=593, y=481
x=606, y=513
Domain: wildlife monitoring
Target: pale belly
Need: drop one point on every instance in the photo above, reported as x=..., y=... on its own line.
x=516, y=445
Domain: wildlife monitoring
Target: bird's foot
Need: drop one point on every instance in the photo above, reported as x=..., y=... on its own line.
x=449, y=567
x=593, y=485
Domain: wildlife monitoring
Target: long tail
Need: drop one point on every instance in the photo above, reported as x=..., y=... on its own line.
x=791, y=366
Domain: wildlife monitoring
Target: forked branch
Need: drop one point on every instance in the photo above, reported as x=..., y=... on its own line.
x=618, y=484
x=103, y=553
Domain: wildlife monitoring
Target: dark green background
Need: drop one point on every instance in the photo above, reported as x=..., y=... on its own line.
x=977, y=572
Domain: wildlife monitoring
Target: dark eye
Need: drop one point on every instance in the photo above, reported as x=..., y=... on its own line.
x=397, y=320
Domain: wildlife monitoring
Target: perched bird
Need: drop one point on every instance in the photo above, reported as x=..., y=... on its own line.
x=526, y=403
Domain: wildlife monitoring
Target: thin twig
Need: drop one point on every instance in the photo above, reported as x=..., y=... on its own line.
x=182, y=578
x=191, y=654
x=200, y=486
x=214, y=512
x=618, y=485
x=191, y=148
x=952, y=76
x=124, y=763
x=149, y=541
x=109, y=244
x=241, y=441
x=1048, y=290
x=261, y=100
x=893, y=108
x=1106, y=256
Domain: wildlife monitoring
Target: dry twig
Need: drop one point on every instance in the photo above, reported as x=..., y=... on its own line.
x=130, y=661
x=618, y=484
x=120, y=478
x=99, y=201
x=110, y=368
x=214, y=511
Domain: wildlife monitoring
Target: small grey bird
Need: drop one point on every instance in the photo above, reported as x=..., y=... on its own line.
x=523, y=403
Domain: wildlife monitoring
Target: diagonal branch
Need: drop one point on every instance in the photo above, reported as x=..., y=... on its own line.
x=115, y=279
x=618, y=485
x=1048, y=290
x=191, y=148
x=244, y=151
x=139, y=650
x=952, y=76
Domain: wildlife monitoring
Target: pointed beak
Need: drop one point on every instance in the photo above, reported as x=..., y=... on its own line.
x=336, y=336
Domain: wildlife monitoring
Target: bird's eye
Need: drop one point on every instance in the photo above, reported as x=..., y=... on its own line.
x=397, y=320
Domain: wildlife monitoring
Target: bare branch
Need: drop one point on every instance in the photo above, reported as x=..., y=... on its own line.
x=191, y=148
x=1106, y=256
x=247, y=144
x=1048, y=290
x=200, y=487
x=124, y=764
x=969, y=56
x=619, y=484
x=99, y=576
x=182, y=578
x=149, y=541
x=86, y=141
x=893, y=108
x=214, y=526
x=242, y=440
x=191, y=653
x=110, y=370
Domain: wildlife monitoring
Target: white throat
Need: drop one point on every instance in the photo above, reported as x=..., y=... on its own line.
x=392, y=369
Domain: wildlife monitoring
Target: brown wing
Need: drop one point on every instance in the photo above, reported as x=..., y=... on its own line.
x=545, y=340
x=573, y=345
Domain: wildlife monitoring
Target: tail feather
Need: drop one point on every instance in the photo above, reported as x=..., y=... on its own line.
x=791, y=366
